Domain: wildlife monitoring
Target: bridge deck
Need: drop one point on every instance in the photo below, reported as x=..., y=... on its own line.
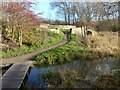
x=15, y=75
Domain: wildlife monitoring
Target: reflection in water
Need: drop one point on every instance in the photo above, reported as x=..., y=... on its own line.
x=94, y=69
x=4, y=69
x=35, y=77
x=100, y=67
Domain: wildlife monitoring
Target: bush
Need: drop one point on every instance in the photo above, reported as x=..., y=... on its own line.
x=32, y=43
x=106, y=81
x=115, y=28
x=67, y=53
x=60, y=55
x=64, y=79
x=107, y=25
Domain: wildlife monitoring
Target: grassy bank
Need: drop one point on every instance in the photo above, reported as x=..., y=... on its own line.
x=50, y=40
x=70, y=51
x=75, y=78
x=65, y=79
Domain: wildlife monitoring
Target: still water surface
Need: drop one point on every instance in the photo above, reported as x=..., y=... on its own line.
x=94, y=69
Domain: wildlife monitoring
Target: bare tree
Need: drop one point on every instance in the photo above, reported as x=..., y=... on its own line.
x=61, y=9
x=85, y=13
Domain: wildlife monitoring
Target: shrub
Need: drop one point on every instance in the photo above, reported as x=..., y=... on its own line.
x=64, y=79
x=67, y=53
x=106, y=81
x=32, y=43
x=60, y=55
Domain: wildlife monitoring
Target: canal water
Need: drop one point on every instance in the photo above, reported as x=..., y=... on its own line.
x=94, y=69
x=4, y=69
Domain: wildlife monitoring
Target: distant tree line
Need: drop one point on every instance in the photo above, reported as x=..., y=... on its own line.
x=92, y=14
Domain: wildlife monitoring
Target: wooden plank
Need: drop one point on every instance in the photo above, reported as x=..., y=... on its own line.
x=14, y=76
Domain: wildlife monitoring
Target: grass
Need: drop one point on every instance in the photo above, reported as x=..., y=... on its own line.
x=106, y=81
x=67, y=53
x=64, y=79
x=55, y=39
x=75, y=78
x=64, y=54
x=59, y=55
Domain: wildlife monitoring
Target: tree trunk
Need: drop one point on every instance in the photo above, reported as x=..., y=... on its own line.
x=68, y=17
x=113, y=19
x=20, y=37
x=65, y=19
x=1, y=35
x=13, y=33
x=73, y=19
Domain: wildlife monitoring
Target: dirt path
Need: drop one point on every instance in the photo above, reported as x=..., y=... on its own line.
x=30, y=56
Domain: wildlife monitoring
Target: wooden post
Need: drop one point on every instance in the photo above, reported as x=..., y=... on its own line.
x=70, y=33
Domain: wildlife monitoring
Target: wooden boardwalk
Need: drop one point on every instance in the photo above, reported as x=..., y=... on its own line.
x=14, y=76
x=30, y=56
